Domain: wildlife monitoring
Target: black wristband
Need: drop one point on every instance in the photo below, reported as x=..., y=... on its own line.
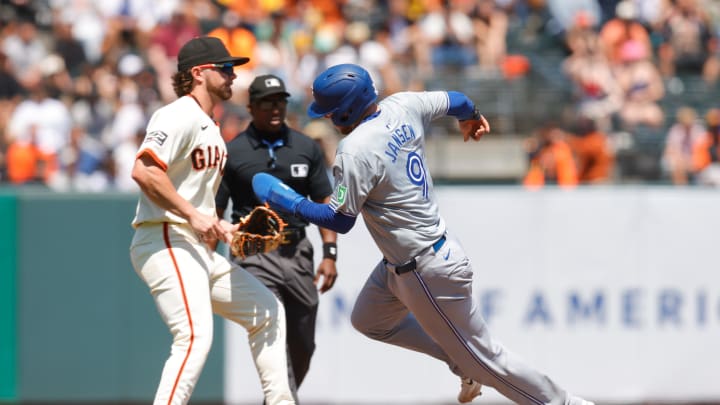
x=475, y=115
x=330, y=250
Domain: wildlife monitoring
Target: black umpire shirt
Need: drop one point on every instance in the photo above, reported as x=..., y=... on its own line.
x=294, y=158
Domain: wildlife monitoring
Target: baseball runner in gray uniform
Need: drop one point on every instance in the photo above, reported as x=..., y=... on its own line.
x=419, y=296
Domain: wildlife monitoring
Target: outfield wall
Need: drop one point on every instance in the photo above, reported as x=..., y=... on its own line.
x=613, y=292
x=83, y=327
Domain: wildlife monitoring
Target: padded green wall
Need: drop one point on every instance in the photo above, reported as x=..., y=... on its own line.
x=88, y=329
x=8, y=265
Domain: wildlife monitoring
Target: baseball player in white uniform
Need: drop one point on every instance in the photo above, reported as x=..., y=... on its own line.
x=179, y=167
x=419, y=296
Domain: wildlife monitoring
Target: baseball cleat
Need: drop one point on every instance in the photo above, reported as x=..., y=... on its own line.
x=469, y=389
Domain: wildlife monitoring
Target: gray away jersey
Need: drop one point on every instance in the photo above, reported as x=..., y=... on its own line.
x=380, y=170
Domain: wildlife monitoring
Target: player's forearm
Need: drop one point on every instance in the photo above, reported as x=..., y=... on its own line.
x=324, y=216
x=326, y=235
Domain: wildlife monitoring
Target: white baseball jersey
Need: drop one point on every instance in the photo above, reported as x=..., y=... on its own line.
x=187, y=143
x=380, y=171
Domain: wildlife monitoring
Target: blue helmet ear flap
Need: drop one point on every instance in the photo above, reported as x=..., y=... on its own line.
x=345, y=91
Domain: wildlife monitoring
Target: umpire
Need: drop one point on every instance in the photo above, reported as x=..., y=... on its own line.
x=269, y=145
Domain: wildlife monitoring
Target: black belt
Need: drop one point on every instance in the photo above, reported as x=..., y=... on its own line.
x=412, y=264
x=292, y=236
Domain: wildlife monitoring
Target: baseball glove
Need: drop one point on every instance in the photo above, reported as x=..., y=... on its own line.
x=260, y=231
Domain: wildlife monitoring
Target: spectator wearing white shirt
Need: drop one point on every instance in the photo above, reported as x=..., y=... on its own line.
x=25, y=50
x=682, y=140
x=49, y=116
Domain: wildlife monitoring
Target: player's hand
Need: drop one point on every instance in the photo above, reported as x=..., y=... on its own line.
x=328, y=272
x=474, y=129
x=208, y=228
x=228, y=228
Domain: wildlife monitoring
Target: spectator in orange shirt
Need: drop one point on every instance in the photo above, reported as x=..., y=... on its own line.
x=25, y=162
x=239, y=39
x=707, y=152
x=551, y=160
x=593, y=154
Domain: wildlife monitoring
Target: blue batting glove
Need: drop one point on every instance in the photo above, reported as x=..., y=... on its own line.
x=270, y=189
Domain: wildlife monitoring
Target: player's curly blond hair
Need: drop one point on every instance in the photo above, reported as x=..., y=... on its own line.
x=182, y=83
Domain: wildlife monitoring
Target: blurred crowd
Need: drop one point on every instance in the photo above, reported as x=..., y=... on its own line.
x=80, y=78
x=622, y=59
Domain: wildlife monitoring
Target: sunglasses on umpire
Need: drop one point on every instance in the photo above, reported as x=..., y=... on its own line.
x=268, y=105
x=226, y=68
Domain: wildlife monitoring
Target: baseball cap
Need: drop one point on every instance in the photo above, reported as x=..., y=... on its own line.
x=202, y=50
x=266, y=85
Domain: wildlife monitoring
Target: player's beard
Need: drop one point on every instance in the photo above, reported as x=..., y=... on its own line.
x=222, y=91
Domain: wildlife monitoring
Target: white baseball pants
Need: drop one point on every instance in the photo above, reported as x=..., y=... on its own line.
x=188, y=282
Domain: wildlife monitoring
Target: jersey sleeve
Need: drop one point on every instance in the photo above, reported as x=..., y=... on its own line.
x=165, y=138
x=354, y=180
x=428, y=104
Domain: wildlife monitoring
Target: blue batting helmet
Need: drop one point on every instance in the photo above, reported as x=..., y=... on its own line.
x=345, y=91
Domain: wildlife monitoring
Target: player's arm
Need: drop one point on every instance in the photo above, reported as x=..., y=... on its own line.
x=472, y=123
x=327, y=235
x=270, y=189
x=324, y=215
x=156, y=185
x=327, y=269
